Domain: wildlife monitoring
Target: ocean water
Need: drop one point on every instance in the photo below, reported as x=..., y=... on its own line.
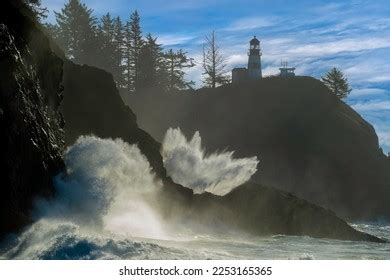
x=50, y=240
x=105, y=209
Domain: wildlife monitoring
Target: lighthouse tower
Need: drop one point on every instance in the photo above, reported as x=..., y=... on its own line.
x=254, y=59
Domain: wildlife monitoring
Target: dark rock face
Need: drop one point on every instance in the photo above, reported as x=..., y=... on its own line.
x=92, y=105
x=31, y=126
x=308, y=142
x=260, y=210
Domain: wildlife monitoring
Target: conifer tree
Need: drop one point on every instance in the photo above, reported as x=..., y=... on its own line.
x=337, y=83
x=106, y=43
x=36, y=7
x=120, y=49
x=77, y=32
x=176, y=62
x=133, y=46
x=110, y=41
x=151, y=70
x=118, y=40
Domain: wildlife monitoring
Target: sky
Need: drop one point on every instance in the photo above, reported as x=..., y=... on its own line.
x=312, y=35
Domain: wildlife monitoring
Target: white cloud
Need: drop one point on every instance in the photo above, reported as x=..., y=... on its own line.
x=173, y=40
x=236, y=59
x=367, y=69
x=367, y=92
x=372, y=106
x=379, y=78
x=251, y=23
x=339, y=46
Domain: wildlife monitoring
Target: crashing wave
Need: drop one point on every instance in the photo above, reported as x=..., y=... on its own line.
x=218, y=173
x=107, y=198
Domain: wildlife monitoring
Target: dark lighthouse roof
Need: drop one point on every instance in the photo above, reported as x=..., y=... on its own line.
x=254, y=41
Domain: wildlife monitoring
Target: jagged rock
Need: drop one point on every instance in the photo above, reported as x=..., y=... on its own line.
x=92, y=105
x=260, y=210
x=308, y=142
x=30, y=124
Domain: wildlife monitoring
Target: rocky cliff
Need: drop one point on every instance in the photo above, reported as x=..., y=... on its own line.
x=92, y=105
x=31, y=127
x=257, y=210
x=308, y=142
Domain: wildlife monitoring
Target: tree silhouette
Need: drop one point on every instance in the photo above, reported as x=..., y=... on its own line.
x=213, y=63
x=106, y=43
x=36, y=7
x=110, y=40
x=133, y=46
x=135, y=62
x=77, y=32
x=151, y=69
x=176, y=62
x=337, y=83
x=118, y=44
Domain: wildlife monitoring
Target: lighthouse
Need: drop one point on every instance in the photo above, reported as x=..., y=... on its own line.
x=254, y=59
x=253, y=72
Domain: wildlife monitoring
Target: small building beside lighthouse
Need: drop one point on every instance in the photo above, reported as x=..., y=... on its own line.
x=286, y=71
x=253, y=72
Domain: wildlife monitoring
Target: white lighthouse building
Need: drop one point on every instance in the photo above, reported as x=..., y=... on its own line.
x=253, y=72
x=254, y=59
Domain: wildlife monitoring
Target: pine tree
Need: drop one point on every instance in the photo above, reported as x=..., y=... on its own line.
x=213, y=63
x=118, y=40
x=133, y=46
x=151, y=70
x=110, y=43
x=106, y=43
x=37, y=9
x=337, y=83
x=176, y=62
x=77, y=32
x=120, y=49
